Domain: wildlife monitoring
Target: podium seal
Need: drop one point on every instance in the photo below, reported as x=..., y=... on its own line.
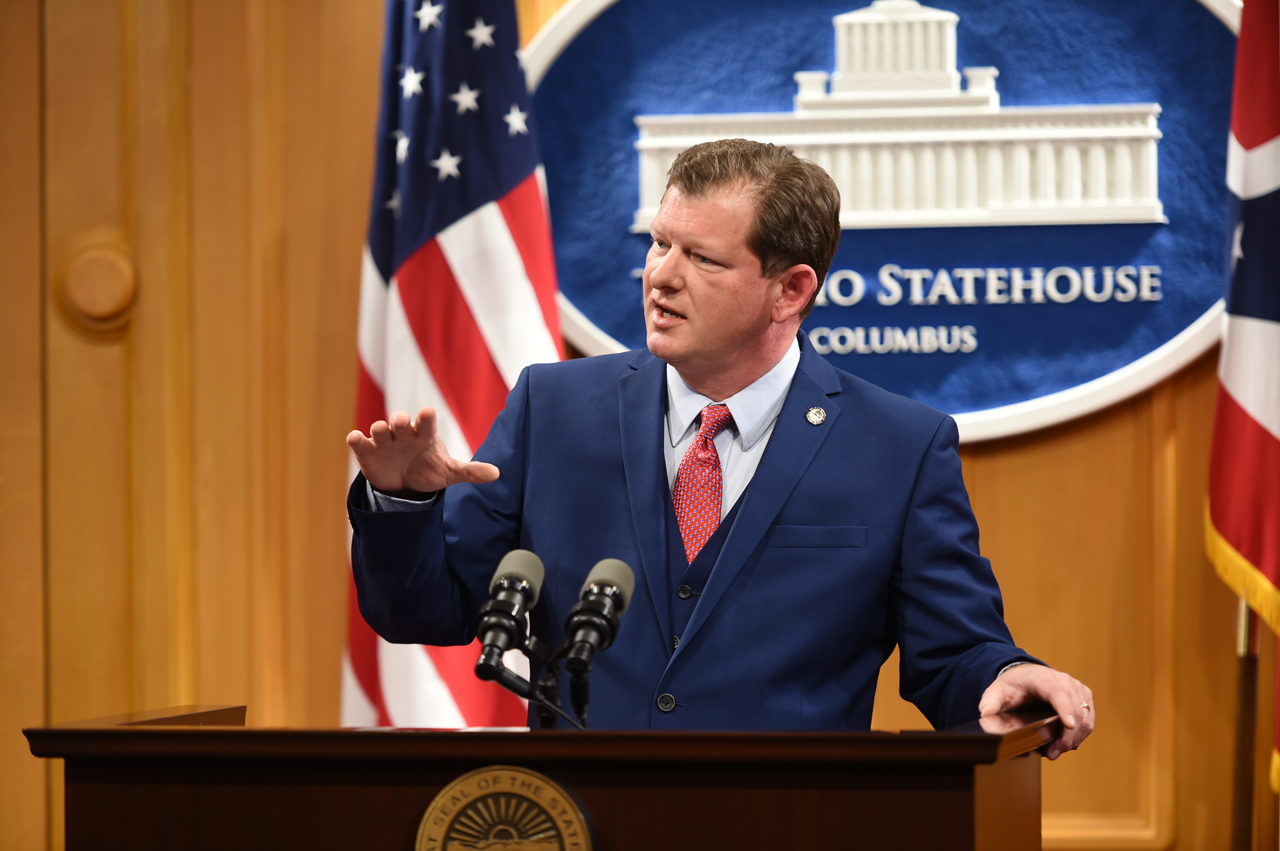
x=503, y=808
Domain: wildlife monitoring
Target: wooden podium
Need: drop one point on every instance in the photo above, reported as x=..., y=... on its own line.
x=194, y=777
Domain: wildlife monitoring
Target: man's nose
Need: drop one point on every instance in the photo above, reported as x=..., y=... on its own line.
x=664, y=272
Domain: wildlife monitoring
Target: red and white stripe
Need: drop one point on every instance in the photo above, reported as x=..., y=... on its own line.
x=459, y=320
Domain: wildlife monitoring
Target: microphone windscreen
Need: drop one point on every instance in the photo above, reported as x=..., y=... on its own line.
x=615, y=572
x=521, y=564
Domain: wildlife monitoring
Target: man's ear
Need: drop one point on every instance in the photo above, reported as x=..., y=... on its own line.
x=799, y=283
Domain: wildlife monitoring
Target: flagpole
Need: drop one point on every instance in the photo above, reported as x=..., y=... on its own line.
x=1247, y=636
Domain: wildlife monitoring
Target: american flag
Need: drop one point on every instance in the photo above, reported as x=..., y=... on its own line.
x=1242, y=518
x=457, y=295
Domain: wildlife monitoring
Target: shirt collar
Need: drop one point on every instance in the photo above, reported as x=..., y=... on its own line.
x=754, y=408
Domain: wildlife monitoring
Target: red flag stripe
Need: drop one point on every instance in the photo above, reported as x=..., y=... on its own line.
x=371, y=331
x=1244, y=472
x=362, y=647
x=362, y=642
x=525, y=214
x=488, y=269
x=410, y=384
x=450, y=342
x=482, y=704
x=370, y=404
x=1255, y=98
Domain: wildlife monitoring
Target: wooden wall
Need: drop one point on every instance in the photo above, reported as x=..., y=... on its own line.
x=185, y=185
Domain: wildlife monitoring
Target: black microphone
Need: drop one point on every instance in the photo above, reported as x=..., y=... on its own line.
x=593, y=623
x=501, y=626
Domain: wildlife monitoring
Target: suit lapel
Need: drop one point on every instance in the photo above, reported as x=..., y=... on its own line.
x=640, y=399
x=791, y=449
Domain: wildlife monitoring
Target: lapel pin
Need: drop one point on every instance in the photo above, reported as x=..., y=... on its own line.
x=815, y=416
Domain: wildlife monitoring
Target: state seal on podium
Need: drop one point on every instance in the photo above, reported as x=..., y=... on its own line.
x=503, y=808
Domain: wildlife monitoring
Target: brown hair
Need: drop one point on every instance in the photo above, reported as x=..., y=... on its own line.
x=797, y=216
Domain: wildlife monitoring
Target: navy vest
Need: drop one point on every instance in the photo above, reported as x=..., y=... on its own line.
x=686, y=579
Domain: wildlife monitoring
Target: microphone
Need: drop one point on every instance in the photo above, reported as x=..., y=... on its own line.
x=501, y=626
x=593, y=623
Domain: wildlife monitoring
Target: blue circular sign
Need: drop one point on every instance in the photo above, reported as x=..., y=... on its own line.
x=1033, y=194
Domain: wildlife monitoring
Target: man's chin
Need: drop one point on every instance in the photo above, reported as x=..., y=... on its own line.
x=661, y=346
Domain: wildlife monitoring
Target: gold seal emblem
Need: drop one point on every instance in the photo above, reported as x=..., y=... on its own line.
x=503, y=808
x=815, y=415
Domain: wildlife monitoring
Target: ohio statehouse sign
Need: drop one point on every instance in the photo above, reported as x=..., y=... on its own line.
x=1032, y=194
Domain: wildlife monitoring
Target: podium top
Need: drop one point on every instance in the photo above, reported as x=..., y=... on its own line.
x=217, y=732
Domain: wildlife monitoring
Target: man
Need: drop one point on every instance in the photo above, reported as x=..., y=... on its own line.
x=789, y=523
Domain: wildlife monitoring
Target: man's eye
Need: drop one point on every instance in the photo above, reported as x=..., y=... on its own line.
x=657, y=243
x=705, y=261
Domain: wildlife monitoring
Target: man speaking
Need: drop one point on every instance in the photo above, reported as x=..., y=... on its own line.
x=788, y=523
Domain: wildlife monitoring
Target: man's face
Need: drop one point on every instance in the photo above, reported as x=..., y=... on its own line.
x=707, y=307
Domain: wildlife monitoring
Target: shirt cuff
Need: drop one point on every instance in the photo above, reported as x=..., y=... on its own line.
x=1011, y=665
x=384, y=502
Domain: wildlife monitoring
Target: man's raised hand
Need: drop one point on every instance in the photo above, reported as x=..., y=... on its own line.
x=408, y=455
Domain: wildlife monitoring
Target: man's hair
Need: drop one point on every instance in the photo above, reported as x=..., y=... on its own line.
x=797, y=218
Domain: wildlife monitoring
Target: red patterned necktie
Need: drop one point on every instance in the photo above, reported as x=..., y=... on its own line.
x=696, y=494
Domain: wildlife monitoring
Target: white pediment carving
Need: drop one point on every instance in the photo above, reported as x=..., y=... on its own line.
x=910, y=147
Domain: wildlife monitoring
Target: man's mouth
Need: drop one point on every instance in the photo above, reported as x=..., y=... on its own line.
x=668, y=314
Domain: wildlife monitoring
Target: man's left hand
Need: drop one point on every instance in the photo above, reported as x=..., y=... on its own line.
x=1070, y=698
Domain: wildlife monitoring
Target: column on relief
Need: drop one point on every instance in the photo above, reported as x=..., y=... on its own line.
x=646, y=179
x=1021, y=168
x=843, y=176
x=662, y=160
x=950, y=37
x=1096, y=183
x=918, y=55
x=934, y=49
x=906, y=183
x=822, y=156
x=948, y=189
x=865, y=181
x=1146, y=170
x=1122, y=168
x=927, y=179
x=995, y=175
x=1071, y=189
x=884, y=179
x=968, y=176
x=1046, y=177
x=871, y=32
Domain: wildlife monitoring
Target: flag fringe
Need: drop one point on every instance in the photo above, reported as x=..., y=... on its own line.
x=1275, y=772
x=1246, y=580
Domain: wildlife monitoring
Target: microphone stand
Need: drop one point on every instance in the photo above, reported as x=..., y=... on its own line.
x=545, y=696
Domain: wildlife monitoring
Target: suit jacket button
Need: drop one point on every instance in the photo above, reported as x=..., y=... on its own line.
x=666, y=702
x=684, y=592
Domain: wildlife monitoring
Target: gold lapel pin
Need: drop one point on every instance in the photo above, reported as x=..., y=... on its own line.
x=815, y=416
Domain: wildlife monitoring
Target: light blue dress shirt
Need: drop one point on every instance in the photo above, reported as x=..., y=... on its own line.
x=755, y=409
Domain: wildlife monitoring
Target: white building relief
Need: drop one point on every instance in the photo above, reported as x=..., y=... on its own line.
x=909, y=147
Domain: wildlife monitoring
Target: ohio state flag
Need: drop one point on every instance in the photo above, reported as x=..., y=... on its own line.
x=1242, y=515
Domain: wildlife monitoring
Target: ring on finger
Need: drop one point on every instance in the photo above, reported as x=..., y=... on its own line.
x=1084, y=705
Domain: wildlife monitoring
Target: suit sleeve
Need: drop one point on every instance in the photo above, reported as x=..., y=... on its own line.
x=946, y=602
x=421, y=576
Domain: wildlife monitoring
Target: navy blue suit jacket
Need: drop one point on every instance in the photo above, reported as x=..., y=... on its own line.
x=854, y=536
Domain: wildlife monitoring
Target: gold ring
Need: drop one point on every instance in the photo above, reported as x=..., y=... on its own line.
x=1084, y=705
